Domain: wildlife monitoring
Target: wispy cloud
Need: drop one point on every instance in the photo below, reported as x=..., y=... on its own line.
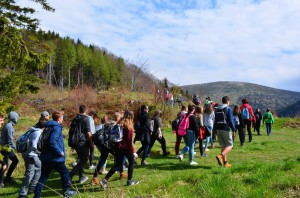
x=194, y=41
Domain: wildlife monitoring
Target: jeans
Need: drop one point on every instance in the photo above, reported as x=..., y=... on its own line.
x=83, y=154
x=120, y=154
x=269, y=128
x=12, y=156
x=47, y=167
x=209, y=139
x=247, y=124
x=32, y=174
x=144, y=149
x=189, y=140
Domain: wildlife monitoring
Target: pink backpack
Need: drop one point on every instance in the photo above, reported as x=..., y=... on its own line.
x=184, y=125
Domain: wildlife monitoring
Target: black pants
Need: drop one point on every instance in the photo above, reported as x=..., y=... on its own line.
x=144, y=149
x=241, y=132
x=91, y=158
x=161, y=140
x=200, y=146
x=104, y=154
x=83, y=154
x=12, y=156
x=119, y=165
x=247, y=124
x=257, y=127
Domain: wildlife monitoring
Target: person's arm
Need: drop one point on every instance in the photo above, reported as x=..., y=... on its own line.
x=10, y=137
x=90, y=140
x=55, y=141
x=252, y=114
x=231, y=119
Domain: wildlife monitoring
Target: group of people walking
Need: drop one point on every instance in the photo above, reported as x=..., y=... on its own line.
x=211, y=118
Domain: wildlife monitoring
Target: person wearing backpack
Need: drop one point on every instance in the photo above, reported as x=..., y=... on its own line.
x=80, y=127
x=269, y=120
x=258, y=117
x=124, y=148
x=31, y=158
x=157, y=134
x=178, y=137
x=209, y=119
x=199, y=116
x=55, y=157
x=7, y=139
x=224, y=125
x=247, y=117
x=3, y=149
x=145, y=130
x=239, y=124
x=192, y=133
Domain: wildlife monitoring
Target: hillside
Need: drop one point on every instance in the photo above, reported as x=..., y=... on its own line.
x=259, y=96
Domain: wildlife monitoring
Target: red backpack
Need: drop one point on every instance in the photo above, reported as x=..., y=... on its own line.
x=184, y=125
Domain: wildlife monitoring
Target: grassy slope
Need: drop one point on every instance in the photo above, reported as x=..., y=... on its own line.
x=267, y=167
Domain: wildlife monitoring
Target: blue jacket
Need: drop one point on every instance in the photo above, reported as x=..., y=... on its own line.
x=56, y=144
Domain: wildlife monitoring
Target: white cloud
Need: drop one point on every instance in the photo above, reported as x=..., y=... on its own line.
x=192, y=42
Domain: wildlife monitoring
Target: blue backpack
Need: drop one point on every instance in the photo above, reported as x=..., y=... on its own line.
x=245, y=114
x=23, y=142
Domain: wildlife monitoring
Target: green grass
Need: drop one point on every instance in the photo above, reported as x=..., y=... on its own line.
x=267, y=167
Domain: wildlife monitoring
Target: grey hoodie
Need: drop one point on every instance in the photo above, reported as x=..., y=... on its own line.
x=33, y=140
x=8, y=131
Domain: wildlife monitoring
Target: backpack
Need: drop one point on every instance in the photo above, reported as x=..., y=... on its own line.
x=43, y=142
x=108, y=136
x=245, y=114
x=184, y=125
x=23, y=142
x=75, y=134
x=221, y=118
x=196, y=101
x=236, y=120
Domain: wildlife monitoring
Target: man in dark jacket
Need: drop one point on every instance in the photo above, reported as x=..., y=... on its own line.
x=145, y=128
x=55, y=157
x=84, y=146
x=7, y=138
x=191, y=135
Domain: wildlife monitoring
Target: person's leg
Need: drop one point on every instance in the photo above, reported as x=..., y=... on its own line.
x=162, y=142
x=240, y=131
x=177, y=144
x=200, y=146
x=186, y=148
x=270, y=129
x=14, y=161
x=61, y=168
x=207, y=139
x=91, y=158
x=130, y=158
x=249, y=130
x=152, y=141
x=83, y=154
x=29, y=173
x=102, y=160
x=191, y=144
x=5, y=160
x=37, y=172
x=258, y=127
x=118, y=166
x=145, y=146
x=46, y=170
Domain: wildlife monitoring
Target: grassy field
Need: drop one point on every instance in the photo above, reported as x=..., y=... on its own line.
x=267, y=167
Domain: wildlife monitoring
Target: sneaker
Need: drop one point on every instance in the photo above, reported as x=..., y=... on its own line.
x=132, y=182
x=193, y=163
x=95, y=181
x=74, y=164
x=123, y=176
x=70, y=193
x=144, y=163
x=220, y=160
x=195, y=153
x=83, y=179
x=180, y=158
x=92, y=167
x=125, y=168
x=204, y=155
x=227, y=165
x=103, y=184
x=206, y=150
x=177, y=156
x=103, y=172
x=166, y=153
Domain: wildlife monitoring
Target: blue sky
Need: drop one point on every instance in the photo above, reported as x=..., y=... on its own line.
x=190, y=41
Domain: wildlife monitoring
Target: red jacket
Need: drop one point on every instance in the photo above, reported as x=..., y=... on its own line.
x=252, y=117
x=126, y=143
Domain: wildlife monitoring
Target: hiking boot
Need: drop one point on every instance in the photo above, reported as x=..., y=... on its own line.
x=95, y=181
x=227, y=165
x=132, y=182
x=204, y=155
x=166, y=153
x=70, y=193
x=220, y=160
x=92, y=167
x=83, y=179
x=180, y=157
x=144, y=163
x=123, y=176
x=103, y=184
x=193, y=163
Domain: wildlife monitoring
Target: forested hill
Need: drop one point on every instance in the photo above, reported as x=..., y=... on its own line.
x=259, y=96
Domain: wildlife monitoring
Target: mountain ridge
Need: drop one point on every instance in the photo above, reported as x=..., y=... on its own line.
x=259, y=96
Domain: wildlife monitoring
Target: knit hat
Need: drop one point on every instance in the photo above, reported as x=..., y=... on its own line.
x=44, y=114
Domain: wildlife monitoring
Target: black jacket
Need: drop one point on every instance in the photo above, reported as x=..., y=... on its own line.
x=145, y=127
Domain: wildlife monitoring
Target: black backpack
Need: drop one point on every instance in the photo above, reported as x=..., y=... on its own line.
x=75, y=134
x=175, y=123
x=221, y=118
x=108, y=136
x=43, y=143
